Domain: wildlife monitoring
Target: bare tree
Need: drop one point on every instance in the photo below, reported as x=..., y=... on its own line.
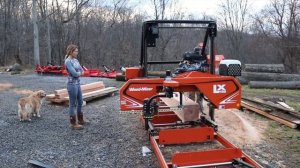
x=35, y=33
x=281, y=22
x=234, y=23
x=45, y=17
x=161, y=9
x=7, y=14
x=118, y=5
x=162, y=6
x=107, y=33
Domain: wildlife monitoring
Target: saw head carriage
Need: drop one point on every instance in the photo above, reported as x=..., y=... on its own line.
x=196, y=71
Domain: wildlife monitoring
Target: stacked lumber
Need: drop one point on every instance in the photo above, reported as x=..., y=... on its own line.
x=268, y=76
x=89, y=92
x=190, y=110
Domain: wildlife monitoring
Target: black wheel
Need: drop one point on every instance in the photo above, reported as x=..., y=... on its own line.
x=146, y=124
x=212, y=113
x=120, y=77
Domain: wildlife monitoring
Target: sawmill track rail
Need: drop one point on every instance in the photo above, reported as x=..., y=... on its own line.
x=282, y=115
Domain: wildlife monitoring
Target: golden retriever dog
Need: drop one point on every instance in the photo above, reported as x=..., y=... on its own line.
x=31, y=105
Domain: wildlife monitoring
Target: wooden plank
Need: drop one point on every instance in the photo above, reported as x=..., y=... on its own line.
x=100, y=93
x=62, y=94
x=271, y=105
x=283, y=104
x=91, y=86
x=191, y=109
x=60, y=91
x=50, y=96
x=96, y=94
x=282, y=121
x=58, y=100
x=84, y=88
x=90, y=91
x=65, y=94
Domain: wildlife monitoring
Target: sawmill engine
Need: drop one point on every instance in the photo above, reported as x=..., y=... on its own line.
x=230, y=68
x=193, y=61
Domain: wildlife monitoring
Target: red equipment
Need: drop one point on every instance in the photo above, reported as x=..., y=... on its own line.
x=163, y=123
x=53, y=69
x=61, y=70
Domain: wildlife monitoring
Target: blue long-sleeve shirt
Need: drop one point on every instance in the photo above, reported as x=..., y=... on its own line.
x=74, y=69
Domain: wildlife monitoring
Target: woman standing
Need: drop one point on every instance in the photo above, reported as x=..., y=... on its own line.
x=73, y=86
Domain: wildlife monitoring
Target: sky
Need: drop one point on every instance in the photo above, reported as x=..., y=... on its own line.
x=196, y=7
x=210, y=7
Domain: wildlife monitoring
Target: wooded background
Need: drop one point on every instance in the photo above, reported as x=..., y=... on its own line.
x=109, y=32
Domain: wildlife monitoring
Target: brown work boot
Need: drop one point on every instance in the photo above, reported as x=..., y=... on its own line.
x=74, y=124
x=81, y=120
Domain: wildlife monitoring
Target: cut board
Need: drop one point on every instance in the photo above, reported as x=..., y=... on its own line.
x=190, y=111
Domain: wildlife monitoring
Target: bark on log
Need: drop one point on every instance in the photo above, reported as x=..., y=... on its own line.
x=275, y=84
x=256, y=76
x=242, y=80
x=269, y=68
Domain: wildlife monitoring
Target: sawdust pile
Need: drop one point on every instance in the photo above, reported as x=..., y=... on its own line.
x=6, y=86
x=238, y=127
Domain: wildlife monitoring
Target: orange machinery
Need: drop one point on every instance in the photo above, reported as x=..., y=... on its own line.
x=143, y=93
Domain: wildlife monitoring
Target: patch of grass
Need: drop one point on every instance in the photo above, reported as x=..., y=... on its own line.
x=292, y=97
x=2, y=68
x=283, y=92
x=284, y=135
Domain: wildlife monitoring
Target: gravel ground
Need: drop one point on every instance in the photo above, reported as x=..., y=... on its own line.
x=110, y=140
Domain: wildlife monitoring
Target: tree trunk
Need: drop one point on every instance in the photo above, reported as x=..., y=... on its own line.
x=257, y=76
x=270, y=68
x=35, y=34
x=275, y=84
x=49, y=60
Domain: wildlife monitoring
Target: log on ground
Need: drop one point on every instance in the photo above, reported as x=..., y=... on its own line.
x=259, y=76
x=242, y=80
x=269, y=68
x=275, y=84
